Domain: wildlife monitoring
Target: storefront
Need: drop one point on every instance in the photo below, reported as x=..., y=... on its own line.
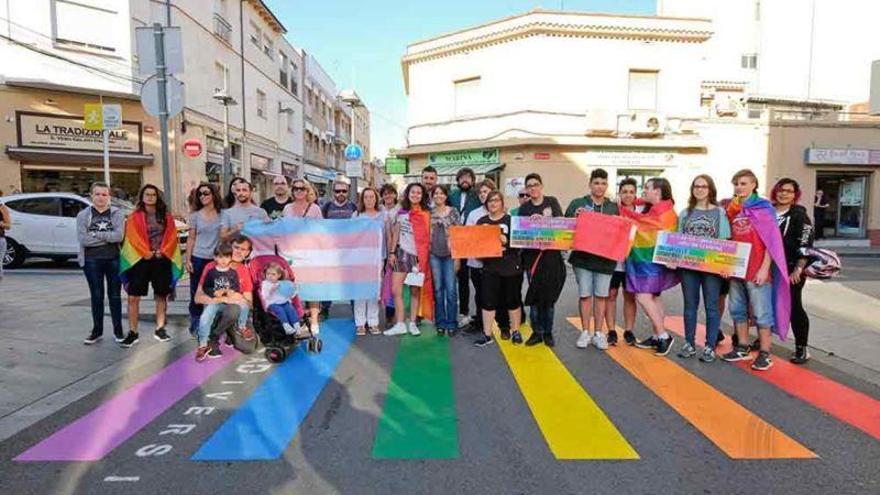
x=320, y=178
x=486, y=164
x=844, y=176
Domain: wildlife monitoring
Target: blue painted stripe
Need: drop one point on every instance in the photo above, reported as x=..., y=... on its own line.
x=305, y=226
x=263, y=427
x=339, y=291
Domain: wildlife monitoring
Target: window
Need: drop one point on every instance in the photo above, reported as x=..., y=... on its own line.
x=222, y=28
x=642, y=90
x=291, y=121
x=283, y=67
x=71, y=207
x=36, y=206
x=256, y=34
x=749, y=61
x=261, y=104
x=757, y=10
x=221, y=77
x=466, y=96
x=294, y=79
x=71, y=28
x=268, y=46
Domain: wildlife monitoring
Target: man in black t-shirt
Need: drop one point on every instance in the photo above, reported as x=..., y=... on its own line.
x=274, y=206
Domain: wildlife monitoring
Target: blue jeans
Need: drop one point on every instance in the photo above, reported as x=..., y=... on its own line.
x=210, y=312
x=692, y=282
x=195, y=310
x=748, y=295
x=96, y=272
x=445, y=292
x=284, y=312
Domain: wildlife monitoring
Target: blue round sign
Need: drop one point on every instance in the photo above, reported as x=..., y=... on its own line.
x=353, y=152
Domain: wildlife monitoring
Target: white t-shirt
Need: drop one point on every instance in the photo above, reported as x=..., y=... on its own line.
x=472, y=218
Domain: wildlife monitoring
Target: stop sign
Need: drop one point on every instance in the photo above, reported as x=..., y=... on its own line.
x=192, y=148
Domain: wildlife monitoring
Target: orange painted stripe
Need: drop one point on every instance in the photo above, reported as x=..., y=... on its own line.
x=847, y=405
x=738, y=432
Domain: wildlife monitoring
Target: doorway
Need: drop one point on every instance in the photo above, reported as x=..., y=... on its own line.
x=846, y=196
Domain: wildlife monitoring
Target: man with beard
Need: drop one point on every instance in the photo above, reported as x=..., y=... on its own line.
x=274, y=206
x=464, y=199
x=233, y=218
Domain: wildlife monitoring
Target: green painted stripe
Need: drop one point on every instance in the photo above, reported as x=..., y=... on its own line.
x=418, y=420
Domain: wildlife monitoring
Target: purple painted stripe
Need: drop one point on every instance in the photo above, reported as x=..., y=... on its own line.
x=96, y=434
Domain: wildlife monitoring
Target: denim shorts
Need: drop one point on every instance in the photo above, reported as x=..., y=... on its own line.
x=592, y=283
x=745, y=296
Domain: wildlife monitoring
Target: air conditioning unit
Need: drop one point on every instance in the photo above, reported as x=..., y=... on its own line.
x=646, y=124
x=726, y=106
x=601, y=122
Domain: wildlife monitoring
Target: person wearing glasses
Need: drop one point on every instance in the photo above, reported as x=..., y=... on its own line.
x=340, y=208
x=523, y=198
x=203, y=238
x=274, y=206
x=301, y=206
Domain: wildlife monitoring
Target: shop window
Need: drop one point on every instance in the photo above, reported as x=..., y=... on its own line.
x=36, y=206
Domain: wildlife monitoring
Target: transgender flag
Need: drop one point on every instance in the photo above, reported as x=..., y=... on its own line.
x=332, y=260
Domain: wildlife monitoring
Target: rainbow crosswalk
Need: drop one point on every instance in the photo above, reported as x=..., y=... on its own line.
x=419, y=417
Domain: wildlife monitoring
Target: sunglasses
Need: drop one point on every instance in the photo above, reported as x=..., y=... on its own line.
x=523, y=195
x=340, y=191
x=299, y=189
x=205, y=193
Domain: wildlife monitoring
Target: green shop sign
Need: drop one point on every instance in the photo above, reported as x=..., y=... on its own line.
x=396, y=165
x=470, y=157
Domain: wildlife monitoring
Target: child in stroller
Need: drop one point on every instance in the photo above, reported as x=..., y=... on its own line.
x=279, y=343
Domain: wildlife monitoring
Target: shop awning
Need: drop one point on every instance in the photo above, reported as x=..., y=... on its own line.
x=451, y=170
x=77, y=157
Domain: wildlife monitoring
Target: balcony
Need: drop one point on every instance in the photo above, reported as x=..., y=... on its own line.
x=222, y=28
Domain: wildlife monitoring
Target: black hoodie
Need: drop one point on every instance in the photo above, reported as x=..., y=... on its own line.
x=797, y=232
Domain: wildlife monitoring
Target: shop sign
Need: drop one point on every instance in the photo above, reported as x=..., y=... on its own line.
x=846, y=156
x=396, y=166
x=320, y=172
x=631, y=158
x=40, y=130
x=288, y=169
x=192, y=148
x=260, y=162
x=542, y=156
x=469, y=157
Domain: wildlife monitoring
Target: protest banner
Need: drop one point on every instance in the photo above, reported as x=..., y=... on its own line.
x=604, y=235
x=718, y=256
x=544, y=233
x=475, y=241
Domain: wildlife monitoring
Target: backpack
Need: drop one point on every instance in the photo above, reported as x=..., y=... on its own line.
x=822, y=264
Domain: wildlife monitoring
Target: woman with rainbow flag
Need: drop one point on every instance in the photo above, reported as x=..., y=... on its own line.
x=644, y=277
x=765, y=291
x=150, y=256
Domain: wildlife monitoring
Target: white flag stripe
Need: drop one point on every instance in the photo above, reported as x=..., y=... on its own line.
x=334, y=258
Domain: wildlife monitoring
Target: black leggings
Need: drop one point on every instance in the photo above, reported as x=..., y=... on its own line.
x=800, y=322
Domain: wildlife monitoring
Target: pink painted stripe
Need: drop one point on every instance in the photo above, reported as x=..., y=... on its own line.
x=337, y=274
x=96, y=434
x=330, y=241
x=847, y=405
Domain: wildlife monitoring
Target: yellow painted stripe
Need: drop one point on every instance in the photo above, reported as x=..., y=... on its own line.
x=734, y=429
x=572, y=423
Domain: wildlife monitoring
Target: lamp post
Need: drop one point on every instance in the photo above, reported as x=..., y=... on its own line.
x=226, y=169
x=351, y=98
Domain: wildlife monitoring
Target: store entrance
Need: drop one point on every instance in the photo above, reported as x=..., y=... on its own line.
x=846, y=196
x=125, y=185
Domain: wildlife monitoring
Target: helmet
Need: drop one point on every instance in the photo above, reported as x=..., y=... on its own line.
x=822, y=264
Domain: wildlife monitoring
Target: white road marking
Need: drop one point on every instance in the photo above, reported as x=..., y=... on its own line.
x=122, y=478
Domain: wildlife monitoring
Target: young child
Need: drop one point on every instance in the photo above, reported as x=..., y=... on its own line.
x=222, y=286
x=277, y=300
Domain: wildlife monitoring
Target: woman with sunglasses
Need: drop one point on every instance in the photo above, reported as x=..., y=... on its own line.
x=204, y=235
x=301, y=207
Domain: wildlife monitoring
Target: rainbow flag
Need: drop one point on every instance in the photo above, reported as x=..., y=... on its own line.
x=332, y=260
x=642, y=274
x=136, y=244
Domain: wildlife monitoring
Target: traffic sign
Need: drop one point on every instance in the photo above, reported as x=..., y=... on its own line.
x=150, y=96
x=354, y=169
x=192, y=148
x=112, y=116
x=145, y=39
x=353, y=152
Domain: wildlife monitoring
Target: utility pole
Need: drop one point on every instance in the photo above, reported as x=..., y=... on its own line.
x=161, y=79
x=226, y=171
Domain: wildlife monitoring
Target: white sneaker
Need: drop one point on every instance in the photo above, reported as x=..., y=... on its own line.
x=413, y=329
x=397, y=329
x=288, y=329
x=583, y=340
x=463, y=321
x=600, y=341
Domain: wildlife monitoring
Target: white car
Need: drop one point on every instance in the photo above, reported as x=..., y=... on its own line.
x=44, y=225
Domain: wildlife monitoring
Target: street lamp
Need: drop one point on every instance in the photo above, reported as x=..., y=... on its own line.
x=351, y=98
x=223, y=97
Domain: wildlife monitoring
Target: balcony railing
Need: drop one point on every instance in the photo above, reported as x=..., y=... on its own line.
x=222, y=28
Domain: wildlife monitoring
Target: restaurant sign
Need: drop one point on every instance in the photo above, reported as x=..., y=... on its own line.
x=48, y=131
x=469, y=157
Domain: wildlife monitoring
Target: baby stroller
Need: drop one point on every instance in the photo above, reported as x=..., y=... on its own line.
x=278, y=344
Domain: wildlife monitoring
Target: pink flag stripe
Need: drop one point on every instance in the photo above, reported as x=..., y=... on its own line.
x=337, y=274
x=96, y=434
x=329, y=241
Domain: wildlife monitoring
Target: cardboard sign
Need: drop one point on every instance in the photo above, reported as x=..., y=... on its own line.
x=727, y=258
x=544, y=233
x=475, y=241
x=604, y=235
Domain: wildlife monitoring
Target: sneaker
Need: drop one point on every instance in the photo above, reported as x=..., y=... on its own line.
x=451, y=332
x=600, y=341
x=228, y=342
x=516, y=337
x=549, y=341
x=202, y=353
x=161, y=335
x=472, y=329
x=583, y=340
x=289, y=330
x=397, y=329
x=129, y=340
x=534, y=339
x=739, y=353
x=505, y=334
x=463, y=321
x=484, y=341
x=93, y=338
x=687, y=351
x=119, y=338
x=649, y=343
x=612, y=337
x=629, y=337
x=801, y=355
x=441, y=332
x=664, y=346
x=708, y=355
x=413, y=329
x=214, y=351
x=762, y=362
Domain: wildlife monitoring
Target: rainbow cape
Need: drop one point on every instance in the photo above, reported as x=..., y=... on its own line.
x=762, y=216
x=136, y=244
x=421, y=222
x=642, y=274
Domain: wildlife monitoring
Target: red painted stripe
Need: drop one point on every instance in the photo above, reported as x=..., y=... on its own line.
x=337, y=274
x=847, y=405
x=330, y=241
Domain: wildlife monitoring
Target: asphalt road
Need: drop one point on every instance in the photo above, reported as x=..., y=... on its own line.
x=501, y=446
